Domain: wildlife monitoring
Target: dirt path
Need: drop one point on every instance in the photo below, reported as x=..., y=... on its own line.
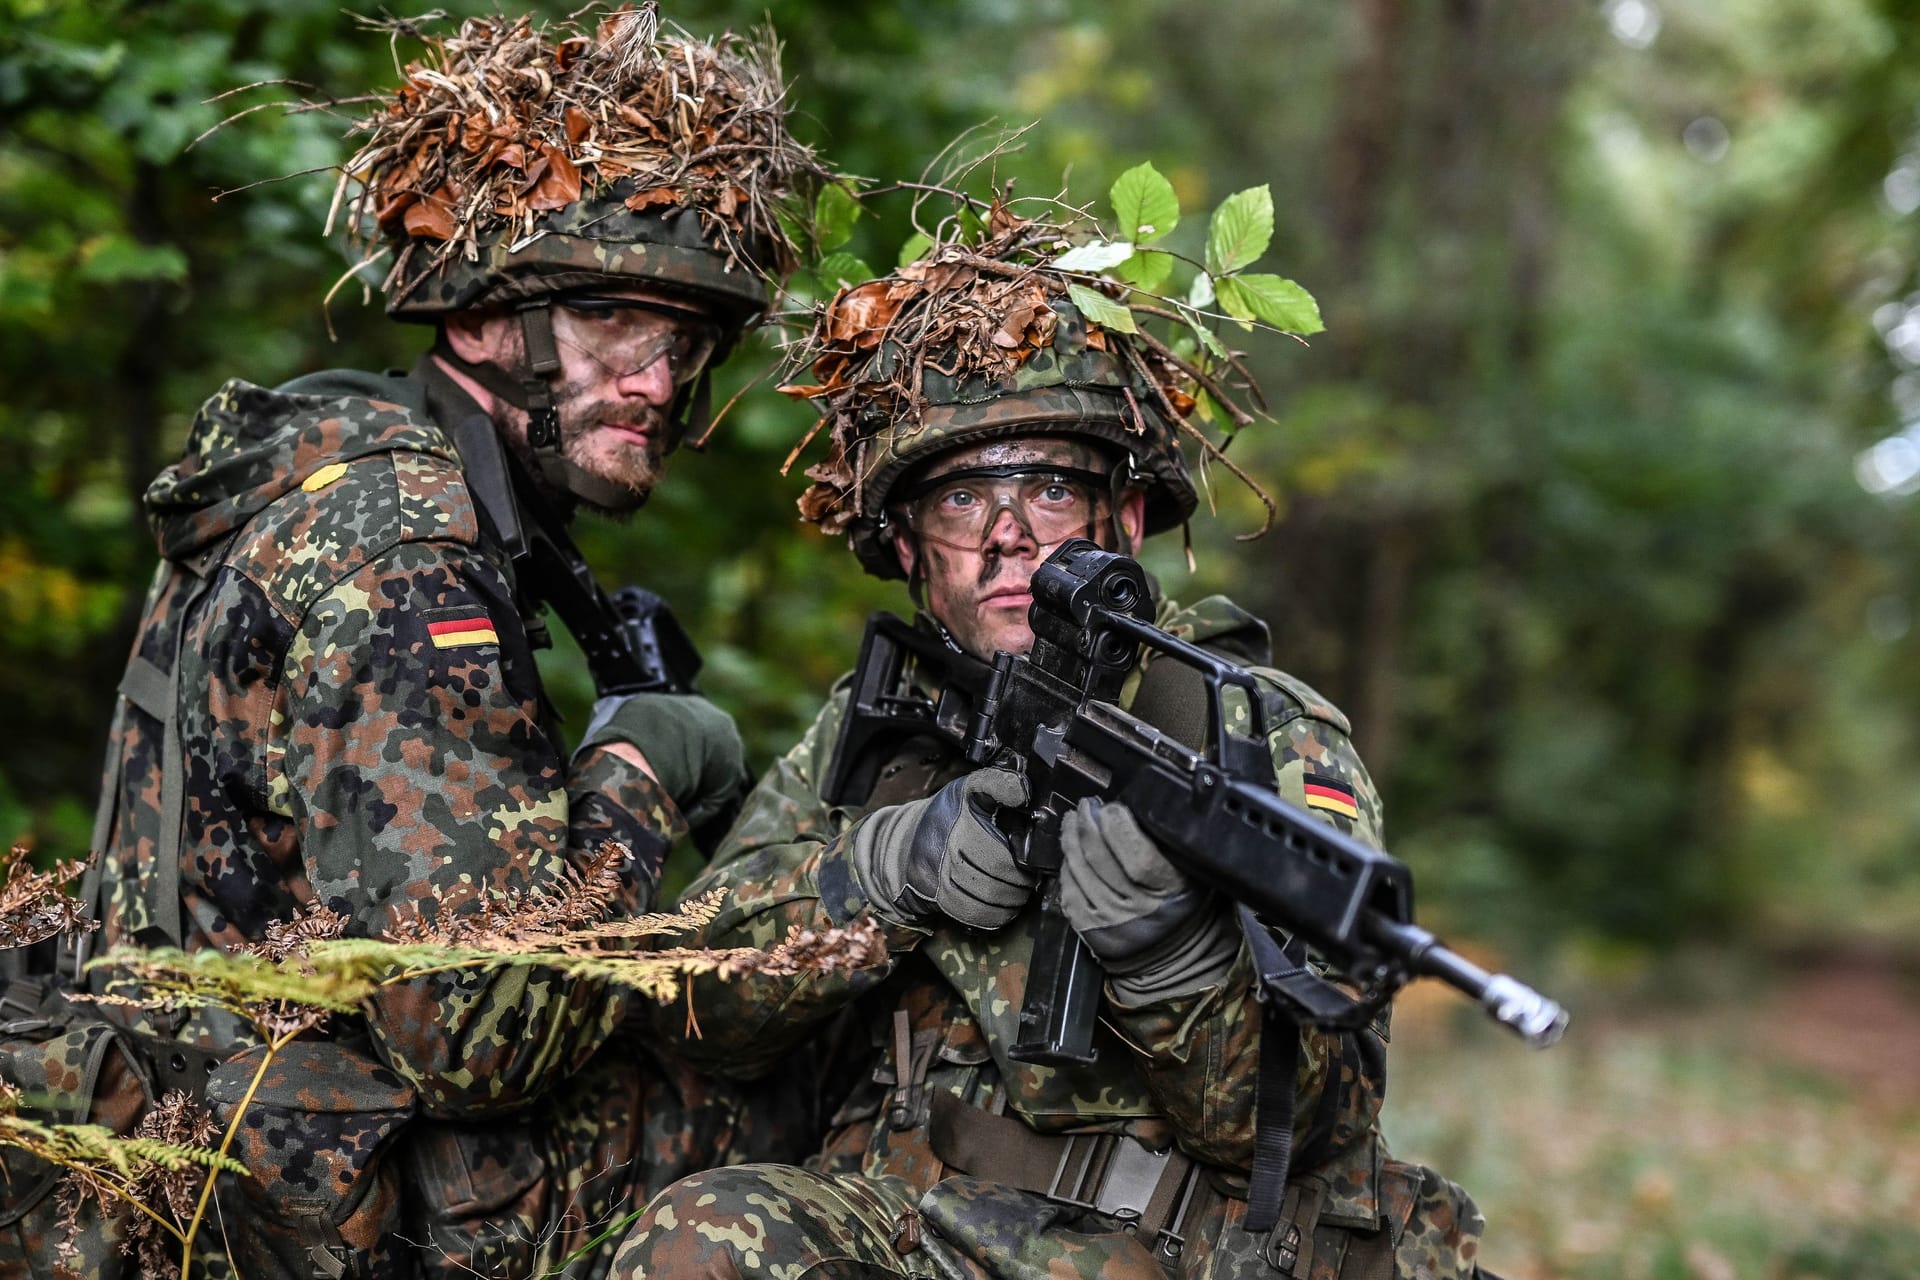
x=1856, y=1020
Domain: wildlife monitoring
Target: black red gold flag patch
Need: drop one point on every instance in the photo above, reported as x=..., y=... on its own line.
x=452, y=628
x=1331, y=795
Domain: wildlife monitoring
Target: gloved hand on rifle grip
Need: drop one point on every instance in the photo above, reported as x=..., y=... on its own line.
x=1157, y=933
x=691, y=746
x=944, y=855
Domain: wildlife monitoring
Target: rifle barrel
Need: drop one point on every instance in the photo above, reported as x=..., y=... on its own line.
x=1535, y=1018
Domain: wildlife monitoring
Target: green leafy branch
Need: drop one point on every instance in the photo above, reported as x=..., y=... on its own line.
x=1127, y=274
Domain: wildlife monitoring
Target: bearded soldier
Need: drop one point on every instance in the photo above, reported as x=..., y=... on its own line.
x=333, y=698
x=979, y=420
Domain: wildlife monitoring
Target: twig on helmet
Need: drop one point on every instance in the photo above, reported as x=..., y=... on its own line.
x=1209, y=450
x=793, y=454
x=326, y=303
x=1241, y=418
x=725, y=409
x=1234, y=359
x=267, y=182
x=932, y=188
x=1248, y=383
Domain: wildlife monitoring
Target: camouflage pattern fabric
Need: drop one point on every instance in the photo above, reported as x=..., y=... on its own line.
x=364, y=726
x=780, y=1220
x=551, y=1192
x=595, y=243
x=343, y=748
x=875, y=1198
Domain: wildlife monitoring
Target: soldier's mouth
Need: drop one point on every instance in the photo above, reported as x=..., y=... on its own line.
x=635, y=432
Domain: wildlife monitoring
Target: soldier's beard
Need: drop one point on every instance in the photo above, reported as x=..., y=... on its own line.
x=610, y=452
x=628, y=462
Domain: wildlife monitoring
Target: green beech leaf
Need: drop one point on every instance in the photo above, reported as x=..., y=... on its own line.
x=1102, y=310
x=1208, y=409
x=1233, y=300
x=1200, y=295
x=973, y=228
x=1280, y=302
x=1097, y=256
x=837, y=269
x=1240, y=230
x=1147, y=269
x=916, y=244
x=793, y=221
x=834, y=214
x=1213, y=346
x=1145, y=204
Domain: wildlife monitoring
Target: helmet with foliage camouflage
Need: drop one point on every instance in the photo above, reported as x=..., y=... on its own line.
x=1066, y=388
x=945, y=353
x=517, y=161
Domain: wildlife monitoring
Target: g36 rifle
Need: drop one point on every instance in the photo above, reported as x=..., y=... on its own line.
x=1053, y=714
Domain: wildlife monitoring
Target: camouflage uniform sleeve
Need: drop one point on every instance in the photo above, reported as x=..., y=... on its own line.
x=783, y=866
x=410, y=753
x=1201, y=1053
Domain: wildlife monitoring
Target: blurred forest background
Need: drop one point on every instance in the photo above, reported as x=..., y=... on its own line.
x=1597, y=499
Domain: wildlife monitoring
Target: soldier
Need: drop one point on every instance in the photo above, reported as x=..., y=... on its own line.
x=333, y=696
x=979, y=420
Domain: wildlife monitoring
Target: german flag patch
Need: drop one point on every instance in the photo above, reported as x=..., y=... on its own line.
x=1332, y=796
x=455, y=628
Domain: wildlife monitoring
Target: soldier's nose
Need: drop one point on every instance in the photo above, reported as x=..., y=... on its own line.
x=653, y=384
x=1006, y=533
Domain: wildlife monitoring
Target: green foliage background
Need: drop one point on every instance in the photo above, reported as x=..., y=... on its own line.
x=1570, y=527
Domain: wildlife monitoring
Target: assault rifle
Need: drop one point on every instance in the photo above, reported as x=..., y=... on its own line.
x=1053, y=714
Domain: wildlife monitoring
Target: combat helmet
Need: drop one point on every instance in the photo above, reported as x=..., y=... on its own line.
x=518, y=162
x=970, y=343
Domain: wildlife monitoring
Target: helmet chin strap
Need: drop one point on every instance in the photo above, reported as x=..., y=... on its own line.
x=533, y=393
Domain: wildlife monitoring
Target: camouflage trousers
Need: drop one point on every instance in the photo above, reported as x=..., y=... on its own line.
x=552, y=1192
x=546, y=1192
x=791, y=1223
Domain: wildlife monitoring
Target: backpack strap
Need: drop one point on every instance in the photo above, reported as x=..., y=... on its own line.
x=157, y=693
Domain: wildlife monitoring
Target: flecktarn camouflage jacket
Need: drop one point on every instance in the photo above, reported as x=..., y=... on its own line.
x=362, y=725
x=362, y=722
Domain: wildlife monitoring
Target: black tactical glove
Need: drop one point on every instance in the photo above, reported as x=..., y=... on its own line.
x=691, y=745
x=1158, y=934
x=943, y=856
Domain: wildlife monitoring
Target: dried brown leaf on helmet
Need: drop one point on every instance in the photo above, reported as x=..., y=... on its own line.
x=526, y=119
x=432, y=217
x=653, y=198
x=559, y=185
x=821, y=502
x=859, y=316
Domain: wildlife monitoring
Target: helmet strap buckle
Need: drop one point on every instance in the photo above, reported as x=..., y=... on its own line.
x=543, y=362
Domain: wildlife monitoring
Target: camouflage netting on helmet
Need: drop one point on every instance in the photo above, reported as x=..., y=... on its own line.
x=972, y=342
x=517, y=159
